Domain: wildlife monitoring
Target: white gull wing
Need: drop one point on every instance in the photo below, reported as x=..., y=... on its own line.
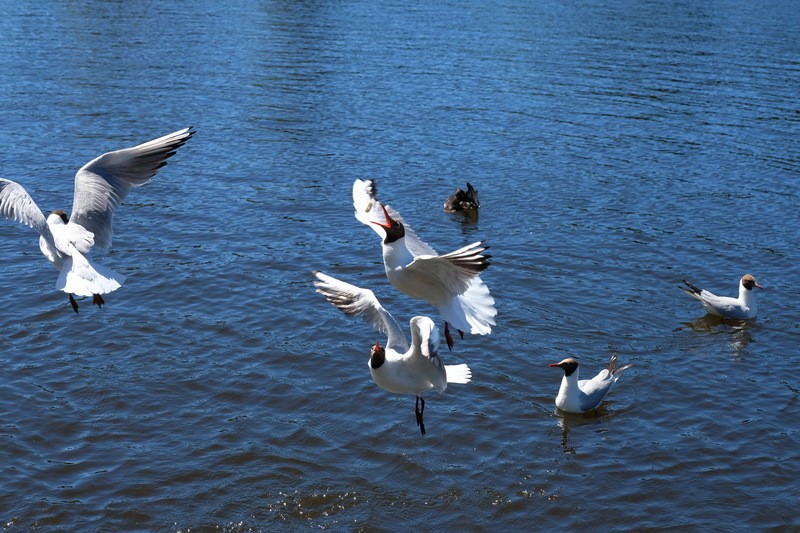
x=425, y=344
x=454, y=271
x=368, y=210
x=355, y=301
x=718, y=305
x=425, y=334
x=595, y=389
x=366, y=205
x=16, y=204
x=721, y=304
x=102, y=184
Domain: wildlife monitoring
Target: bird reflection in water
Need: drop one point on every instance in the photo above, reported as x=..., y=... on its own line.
x=567, y=421
x=739, y=330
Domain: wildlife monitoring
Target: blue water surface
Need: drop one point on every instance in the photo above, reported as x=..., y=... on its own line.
x=618, y=148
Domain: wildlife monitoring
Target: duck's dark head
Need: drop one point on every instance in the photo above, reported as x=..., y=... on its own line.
x=394, y=228
x=568, y=365
x=377, y=356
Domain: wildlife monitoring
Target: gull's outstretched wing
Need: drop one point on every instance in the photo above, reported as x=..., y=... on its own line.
x=368, y=210
x=16, y=204
x=355, y=301
x=102, y=184
x=454, y=271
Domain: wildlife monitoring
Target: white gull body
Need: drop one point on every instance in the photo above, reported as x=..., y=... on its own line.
x=398, y=368
x=743, y=308
x=100, y=187
x=449, y=282
x=577, y=395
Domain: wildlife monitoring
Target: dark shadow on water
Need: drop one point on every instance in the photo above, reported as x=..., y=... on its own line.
x=468, y=220
x=468, y=216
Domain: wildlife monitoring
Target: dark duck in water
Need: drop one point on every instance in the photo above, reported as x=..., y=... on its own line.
x=462, y=201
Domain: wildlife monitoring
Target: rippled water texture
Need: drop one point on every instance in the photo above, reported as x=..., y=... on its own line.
x=617, y=147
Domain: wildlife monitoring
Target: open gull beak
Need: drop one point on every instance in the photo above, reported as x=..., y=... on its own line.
x=388, y=223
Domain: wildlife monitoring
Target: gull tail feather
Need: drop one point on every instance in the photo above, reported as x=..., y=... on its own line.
x=692, y=290
x=612, y=366
x=83, y=277
x=473, y=311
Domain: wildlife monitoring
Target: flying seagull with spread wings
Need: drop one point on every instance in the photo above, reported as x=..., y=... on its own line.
x=397, y=367
x=450, y=282
x=100, y=187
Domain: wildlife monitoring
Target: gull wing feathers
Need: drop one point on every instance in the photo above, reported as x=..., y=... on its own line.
x=355, y=301
x=424, y=329
x=456, y=270
x=366, y=205
x=368, y=210
x=596, y=388
x=102, y=184
x=721, y=303
x=724, y=304
x=16, y=204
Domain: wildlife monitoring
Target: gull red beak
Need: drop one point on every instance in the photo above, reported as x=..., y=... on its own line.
x=759, y=286
x=388, y=223
x=554, y=364
x=377, y=345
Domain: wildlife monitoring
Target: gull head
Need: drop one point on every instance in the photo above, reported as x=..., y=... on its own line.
x=394, y=228
x=568, y=365
x=748, y=282
x=377, y=356
x=57, y=217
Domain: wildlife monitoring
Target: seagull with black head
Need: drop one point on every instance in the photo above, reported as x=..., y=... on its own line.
x=577, y=395
x=743, y=308
x=450, y=282
x=398, y=367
